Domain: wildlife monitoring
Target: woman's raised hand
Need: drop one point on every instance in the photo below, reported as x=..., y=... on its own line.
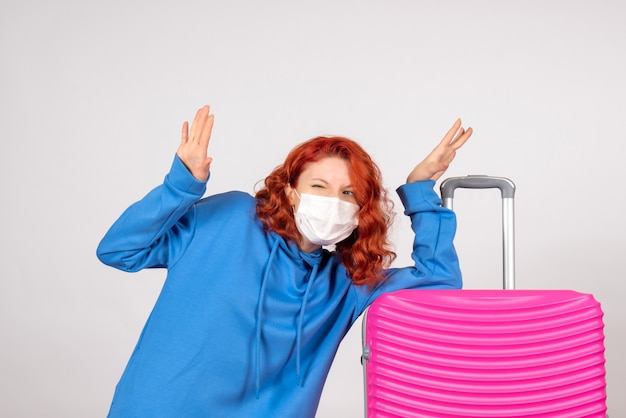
x=194, y=145
x=438, y=161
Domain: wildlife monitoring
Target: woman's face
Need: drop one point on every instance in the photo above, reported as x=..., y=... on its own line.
x=328, y=177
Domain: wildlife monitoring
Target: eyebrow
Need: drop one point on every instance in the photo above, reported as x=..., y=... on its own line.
x=349, y=186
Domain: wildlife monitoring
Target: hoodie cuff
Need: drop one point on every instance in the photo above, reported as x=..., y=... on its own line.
x=181, y=178
x=419, y=196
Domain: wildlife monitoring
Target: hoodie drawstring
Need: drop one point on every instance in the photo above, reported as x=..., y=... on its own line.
x=301, y=322
x=259, y=319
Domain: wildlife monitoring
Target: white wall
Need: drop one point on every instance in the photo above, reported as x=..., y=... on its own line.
x=92, y=96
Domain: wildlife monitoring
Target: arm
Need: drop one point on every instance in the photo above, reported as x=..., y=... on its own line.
x=155, y=229
x=435, y=261
x=436, y=264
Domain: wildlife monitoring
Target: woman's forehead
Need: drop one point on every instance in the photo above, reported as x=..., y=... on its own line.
x=334, y=170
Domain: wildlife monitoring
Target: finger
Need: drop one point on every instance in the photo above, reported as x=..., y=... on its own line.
x=198, y=122
x=205, y=135
x=185, y=133
x=462, y=138
x=452, y=132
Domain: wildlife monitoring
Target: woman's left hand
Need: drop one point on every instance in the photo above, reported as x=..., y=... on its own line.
x=438, y=161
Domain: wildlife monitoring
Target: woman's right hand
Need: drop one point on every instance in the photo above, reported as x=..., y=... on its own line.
x=194, y=145
x=438, y=161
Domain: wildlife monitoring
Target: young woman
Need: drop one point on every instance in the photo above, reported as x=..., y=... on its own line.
x=255, y=304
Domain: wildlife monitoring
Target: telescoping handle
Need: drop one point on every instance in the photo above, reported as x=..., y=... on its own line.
x=507, y=189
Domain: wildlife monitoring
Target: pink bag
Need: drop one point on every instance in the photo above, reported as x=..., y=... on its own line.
x=485, y=353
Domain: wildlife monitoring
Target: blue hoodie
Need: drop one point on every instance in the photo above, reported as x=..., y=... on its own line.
x=246, y=324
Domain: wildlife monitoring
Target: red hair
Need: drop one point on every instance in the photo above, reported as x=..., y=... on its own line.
x=365, y=253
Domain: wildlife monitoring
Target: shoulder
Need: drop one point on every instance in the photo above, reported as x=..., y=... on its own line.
x=231, y=197
x=232, y=201
x=227, y=218
x=226, y=215
x=229, y=208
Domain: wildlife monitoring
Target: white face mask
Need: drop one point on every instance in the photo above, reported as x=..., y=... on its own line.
x=325, y=220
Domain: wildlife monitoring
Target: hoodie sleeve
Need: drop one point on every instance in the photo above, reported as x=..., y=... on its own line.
x=152, y=231
x=436, y=262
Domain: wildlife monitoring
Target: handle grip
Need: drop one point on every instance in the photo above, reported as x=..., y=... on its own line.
x=506, y=186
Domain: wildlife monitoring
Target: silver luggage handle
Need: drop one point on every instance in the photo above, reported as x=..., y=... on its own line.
x=507, y=189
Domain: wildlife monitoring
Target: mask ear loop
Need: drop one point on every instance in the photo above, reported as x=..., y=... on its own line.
x=293, y=207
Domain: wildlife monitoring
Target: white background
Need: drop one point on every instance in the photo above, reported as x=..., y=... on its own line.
x=93, y=94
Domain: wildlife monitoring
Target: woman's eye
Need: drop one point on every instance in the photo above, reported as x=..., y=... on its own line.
x=348, y=192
